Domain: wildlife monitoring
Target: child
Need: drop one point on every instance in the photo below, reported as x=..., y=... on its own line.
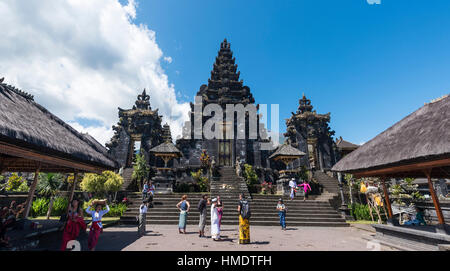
x=282, y=213
x=96, y=227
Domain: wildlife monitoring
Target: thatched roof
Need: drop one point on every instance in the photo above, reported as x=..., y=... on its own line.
x=422, y=136
x=166, y=148
x=287, y=150
x=25, y=123
x=345, y=145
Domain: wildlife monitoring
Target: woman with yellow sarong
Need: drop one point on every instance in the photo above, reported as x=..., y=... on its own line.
x=244, y=224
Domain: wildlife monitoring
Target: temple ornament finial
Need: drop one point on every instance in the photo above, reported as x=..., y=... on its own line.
x=143, y=101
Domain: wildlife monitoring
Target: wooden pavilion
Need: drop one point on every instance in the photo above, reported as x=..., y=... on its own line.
x=417, y=146
x=34, y=140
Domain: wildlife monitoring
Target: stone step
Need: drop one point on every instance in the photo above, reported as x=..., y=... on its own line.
x=252, y=223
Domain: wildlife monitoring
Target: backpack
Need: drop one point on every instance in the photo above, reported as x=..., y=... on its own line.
x=245, y=209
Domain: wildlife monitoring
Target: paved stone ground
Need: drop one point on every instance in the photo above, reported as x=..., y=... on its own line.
x=166, y=237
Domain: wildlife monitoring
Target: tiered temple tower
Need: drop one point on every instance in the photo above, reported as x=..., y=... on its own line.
x=139, y=124
x=311, y=134
x=224, y=87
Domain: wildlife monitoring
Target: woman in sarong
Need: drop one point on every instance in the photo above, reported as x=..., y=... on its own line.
x=96, y=227
x=142, y=218
x=244, y=223
x=183, y=206
x=74, y=223
x=215, y=226
x=306, y=189
x=219, y=210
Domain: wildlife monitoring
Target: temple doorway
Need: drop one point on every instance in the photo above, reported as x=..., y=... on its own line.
x=225, y=153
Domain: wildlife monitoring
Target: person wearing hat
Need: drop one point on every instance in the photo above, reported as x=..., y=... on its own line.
x=215, y=226
x=293, y=186
x=96, y=227
x=282, y=213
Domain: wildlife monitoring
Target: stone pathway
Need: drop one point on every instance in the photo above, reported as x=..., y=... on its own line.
x=163, y=237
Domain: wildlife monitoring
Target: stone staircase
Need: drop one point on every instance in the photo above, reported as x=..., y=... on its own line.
x=263, y=207
x=315, y=211
x=330, y=184
x=127, y=180
x=229, y=185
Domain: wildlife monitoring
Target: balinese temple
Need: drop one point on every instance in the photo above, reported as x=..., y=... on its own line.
x=309, y=132
x=139, y=124
x=224, y=87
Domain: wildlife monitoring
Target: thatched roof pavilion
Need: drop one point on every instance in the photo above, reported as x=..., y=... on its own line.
x=417, y=146
x=166, y=151
x=32, y=140
x=286, y=153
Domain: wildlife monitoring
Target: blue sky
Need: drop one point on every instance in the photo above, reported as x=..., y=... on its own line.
x=369, y=65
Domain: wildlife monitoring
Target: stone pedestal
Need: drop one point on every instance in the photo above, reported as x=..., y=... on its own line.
x=164, y=181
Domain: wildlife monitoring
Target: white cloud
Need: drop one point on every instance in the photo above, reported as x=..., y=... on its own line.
x=83, y=59
x=168, y=59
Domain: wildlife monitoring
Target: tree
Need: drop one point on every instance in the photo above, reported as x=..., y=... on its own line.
x=140, y=169
x=101, y=185
x=349, y=179
x=16, y=183
x=49, y=185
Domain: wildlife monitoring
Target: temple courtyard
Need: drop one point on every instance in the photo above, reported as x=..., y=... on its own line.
x=263, y=238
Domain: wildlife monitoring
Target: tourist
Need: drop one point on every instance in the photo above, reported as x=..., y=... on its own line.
x=183, y=206
x=142, y=218
x=96, y=227
x=418, y=219
x=145, y=191
x=4, y=225
x=293, y=186
x=306, y=189
x=244, y=224
x=74, y=223
x=282, y=213
x=215, y=226
x=219, y=210
x=202, y=209
x=150, y=194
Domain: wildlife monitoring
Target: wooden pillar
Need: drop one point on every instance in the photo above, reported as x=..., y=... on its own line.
x=386, y=196
x=31, y=192
x=437, y=206
x=72, y=190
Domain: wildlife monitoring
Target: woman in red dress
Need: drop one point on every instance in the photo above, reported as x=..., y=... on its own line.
x=74, y=223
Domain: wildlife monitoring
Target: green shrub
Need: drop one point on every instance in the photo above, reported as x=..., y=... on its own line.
x=250, y=176
x=39, y=207
x=362, y=212
x=60, y=206
x=202, y=181
x=115, y=210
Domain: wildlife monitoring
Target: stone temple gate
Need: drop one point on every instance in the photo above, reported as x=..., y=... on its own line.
x=141, y=125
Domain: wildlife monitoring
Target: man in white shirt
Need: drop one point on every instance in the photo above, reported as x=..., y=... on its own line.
x=292, y=185
x=142, y=218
